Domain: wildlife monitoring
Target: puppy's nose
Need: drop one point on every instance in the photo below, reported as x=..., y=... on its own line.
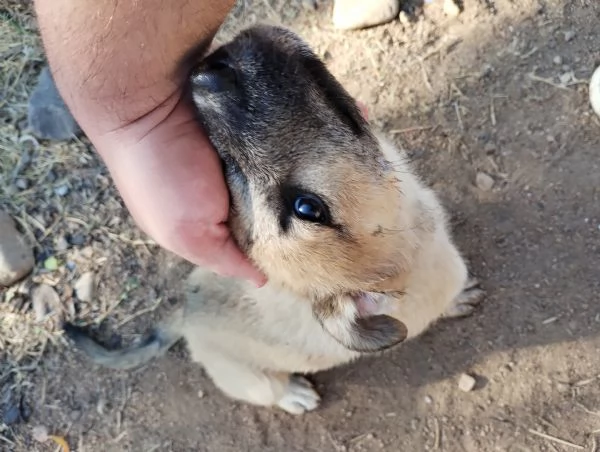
x=215, y=75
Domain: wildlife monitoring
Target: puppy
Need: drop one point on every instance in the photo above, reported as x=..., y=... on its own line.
x=355, y=247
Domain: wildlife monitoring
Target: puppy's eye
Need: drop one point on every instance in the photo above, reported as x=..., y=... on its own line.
x=310, y=208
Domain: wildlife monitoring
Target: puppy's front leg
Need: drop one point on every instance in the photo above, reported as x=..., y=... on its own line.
x=291, y=393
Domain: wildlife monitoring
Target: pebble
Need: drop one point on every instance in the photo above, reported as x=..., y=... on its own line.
x=62, y=190
x=595, y=91
x=11, y=415
x=466, y=383
x=489, y=147
x=40, y=433
x=48, y=117
x=484, y=181
x=16, y=256
x=61, y=243
x=451, y=8
x=569, y=35
x=200, y=394
x=557, y=60
x=404, y=19
x=355, y=14
x=311, y=5
x=44, y=301
x=566, y=78
x=85, y=286
x=77, y=239
x=22, y=184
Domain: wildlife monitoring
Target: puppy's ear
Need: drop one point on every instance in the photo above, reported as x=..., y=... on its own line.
x=359, y=329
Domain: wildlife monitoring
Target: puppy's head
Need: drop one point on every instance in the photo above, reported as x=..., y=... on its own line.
x=314, y=202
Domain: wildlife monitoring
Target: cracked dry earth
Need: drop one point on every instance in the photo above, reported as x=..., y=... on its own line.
x=493, y=107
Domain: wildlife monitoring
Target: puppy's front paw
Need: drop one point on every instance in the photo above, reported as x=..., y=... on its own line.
x=465, y=303
x=299, y=397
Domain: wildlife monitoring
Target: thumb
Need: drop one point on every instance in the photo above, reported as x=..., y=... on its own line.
x=215, y=248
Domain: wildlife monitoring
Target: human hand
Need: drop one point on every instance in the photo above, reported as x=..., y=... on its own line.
x=172, y=182
x=126, y=94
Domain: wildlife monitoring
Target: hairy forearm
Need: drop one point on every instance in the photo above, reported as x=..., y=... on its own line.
x=115, y=61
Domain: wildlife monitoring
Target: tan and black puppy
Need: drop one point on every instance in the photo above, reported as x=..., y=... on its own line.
x=355, y=247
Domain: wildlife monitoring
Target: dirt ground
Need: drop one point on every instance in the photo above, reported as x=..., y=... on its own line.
x=502, y=90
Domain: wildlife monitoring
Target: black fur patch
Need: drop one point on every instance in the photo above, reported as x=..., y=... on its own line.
x=377, y=333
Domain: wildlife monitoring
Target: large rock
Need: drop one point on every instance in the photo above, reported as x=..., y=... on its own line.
x=354, y=14
x=48, y=116
x=16, y=256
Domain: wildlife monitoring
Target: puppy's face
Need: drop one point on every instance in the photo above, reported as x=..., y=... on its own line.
x=314, y=202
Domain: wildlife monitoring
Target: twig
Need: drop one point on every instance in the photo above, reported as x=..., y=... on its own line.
x=587, y=410
x=374, y=63
x=594, y=447
x=585, y=381
x=409, y=129
x=119, y=437
x=457, y=110
x=140, y=312
x=492, y=112
x=437, y=442
x=108, y=312
x=6, y=440
x=425, y=76
x=555, y=439
x=547, y=81
x=336, y=444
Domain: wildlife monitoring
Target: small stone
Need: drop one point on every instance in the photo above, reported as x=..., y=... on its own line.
x=484, y=181
x=12, y=415
x=428, y=400
x=569, y=35
x=22, y=184
x=48, y=116
x=16, y=256
x=200, y=394
x=61, y=243
x=557, y=60
x=44, y=301
x=51, y=263
x=62, y=190
x=40, y=433
x=85, y=286
x=101, y=406
x=594, y=90
x=566, y=78
x=404, y=19
x=466, y=383
x=486, y=70
x=77, y=239
x=311, y=5
x=489, y=147
x=355, y=14
x=451, y=8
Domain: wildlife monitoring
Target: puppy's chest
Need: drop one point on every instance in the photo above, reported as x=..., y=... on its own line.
x=288, y=325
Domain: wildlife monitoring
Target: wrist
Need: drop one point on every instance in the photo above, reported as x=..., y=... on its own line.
x=115, y=62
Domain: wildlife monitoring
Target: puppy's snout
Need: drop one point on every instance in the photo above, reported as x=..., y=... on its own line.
x=216, y=74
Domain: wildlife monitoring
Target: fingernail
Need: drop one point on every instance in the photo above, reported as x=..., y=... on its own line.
x=260, y=282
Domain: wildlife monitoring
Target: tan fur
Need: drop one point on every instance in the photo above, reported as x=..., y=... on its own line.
x=392, y=266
